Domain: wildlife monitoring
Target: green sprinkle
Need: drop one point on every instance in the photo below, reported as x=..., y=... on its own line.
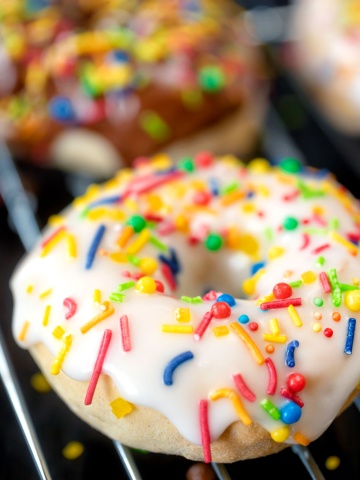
x=308, y=192
x=137, y=222
x=158, y=243
x=269, y=234
x=116, y=297
x=187, y=164
x=197, y=299
x=154, y=126
x=291, y=165
x=334, y=224
x=211, y=79
x=346, y=288
x=124, y=286
x=134, y=260
x=290, y=223
x=213, y=242
x=296, y=284
x=335, y=286
x=85, y=212
x=192, y=99
x=230, y=188
x=319, y=302
x=320, y=261
x=271, y=409
x=316, y=231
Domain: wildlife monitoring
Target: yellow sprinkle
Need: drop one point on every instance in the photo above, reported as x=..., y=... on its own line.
x=109, y=310
x=232, y=197
x=332, y=463
x=181, y=223
x=308, y=277
x=318, y=210
x=294, y=316
x=73, y=450
x=71, y=245
x=118, y=257
x=248, y=341
x=249, y=284
x=148, y=265
x=139, y=243
x=274, y=326
x=269, y=337
x=266, y=298
x=39, y=383
x=221, y=331
x=58, y=332
x=352, y=300
x=125, y=236
x=45, y=293
x=345, y=243
x=161, y=161
x=121, y=407
x=235, y=400
x=248, y=208
x=97, y=297
x=259, y=166
x=262, y=190
x=300, y=438
x=146, y=285
x=52, y=243
x=46, y=315
x=281, y=434
x=55, y=220
x=317, y=327
x=29, y=288
x=23, y=331
x=59, y=359
x=182, y=314
x=131, y=204
x=177, y=328
x=275, y=252
x=356, y=281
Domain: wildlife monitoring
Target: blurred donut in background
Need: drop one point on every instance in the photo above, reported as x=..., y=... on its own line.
x=327, y=58
x=116, y=79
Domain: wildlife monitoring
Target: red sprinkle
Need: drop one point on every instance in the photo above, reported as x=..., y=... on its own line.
x=202, y=198
x=98, y=366
x=200, y=330
x=125, y=333
x=221, y=310
x=243, y=388
x=291, y=396
x=169, y=277
x=253, y=326
x=282, y=290
x=53, y=235
x=281, y=303
x=296, y=382
x=272, y=376
x=320, y=248
x=306, y=241
x=205, y=432
x=70, y=304
x=159, y=286
x=204, y=159
x=325, y=282
x=328, y=332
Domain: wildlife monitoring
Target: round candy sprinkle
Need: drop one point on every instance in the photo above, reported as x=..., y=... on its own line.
x=229, y=299
x=328, y=332
x=221, y=310
x=290, y=223
x=204, y=159
x=61, y=109
x=253, y=326
x=296, y=382
x=211, y=78
x=290, y=165
x=213, y=242
x=244, y=318
x=317, y=327
x=202, y=198
x=270, y=349
x=317, y=315
x=290, y=413
x=159, y=286
x=319, y=302
x=282, y=290
x=281, y=434
x=187, y=164
x=137, y=222
x=336, y=316
x=332, y=463
x=352, y=300
x=148, y=265
x=146, y=285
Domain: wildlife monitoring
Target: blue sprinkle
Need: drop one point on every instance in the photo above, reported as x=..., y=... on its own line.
x=214, y=186
x=173, y=364
x=250, y=194
x=120, y=56
x=290, y=413
x=256, y=266
x=172, y=261
x=289, y=355
x=350, y=336
x=105, y=201
x=61, y=109
x=94, y=246
x=244, y=318
x=227, y=298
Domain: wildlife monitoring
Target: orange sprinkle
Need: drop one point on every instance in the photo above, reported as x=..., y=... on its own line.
x=232, y=197
x=125, y=236
x=249, y=342
x=235, y=400
x=270, y=348
x=336, y=316
x=317, y=315
x=23, y=331
x=109, y=310
x=300, y=438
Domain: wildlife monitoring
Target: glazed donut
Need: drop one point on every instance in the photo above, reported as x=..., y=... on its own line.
x=92, y=90
x=132, y=304
x=326, y=47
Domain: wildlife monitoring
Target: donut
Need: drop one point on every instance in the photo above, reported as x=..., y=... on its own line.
x=326, y=59
x=91, y=89
x=201, y=308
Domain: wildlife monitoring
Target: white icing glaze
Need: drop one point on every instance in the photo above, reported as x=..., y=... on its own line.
x=257, y=219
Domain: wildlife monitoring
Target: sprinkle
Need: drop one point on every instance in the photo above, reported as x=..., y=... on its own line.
x=294, y=316
x=221, y=331
x=45, y=293
x=270, y=349
x=244, y=319
x=177, y=328
x=335, y=286
x=306, y=241
x=200, y=330
x=46, y=315
x=301, y=439
x=353, y=250
x=328, y=332
x=248, y=341
x=320, y=261
x=325, y=282
x=154, y=125
x=125, y=333
x=270, y=337
x=125, y=236
x=145, y=184
x=332, y=463
x=173, y=364
x=196, y=299
x=296, y=382
x=346, y=288
x=235, y=400
x=98, y=366
x=109, y=310
x=317, y=327
x=53, y=241
x=139, y=243
x=350, y=336
x=158, y=243
x=281, y=434
x=52, y=236
x=24, y=330
x=282, y=290
x=182, y=315
x=280, y=303
x=97, y=297
x=71, y=306
x=29, y=288
x=121, y=407
x=168, y=275
x=308, y=277
x=94, y=246
x=296, y=284
x=39, y=383
x=291, y=396
x=73, y=450
x=58, y=332
x=352, y=300
x=59, y=359
x=146, y=285
x=71, y=245
x=272, y=376
x=243, y=388
x=204, y=428
x=336, y=316
x=290, y=351
x=320, y=248
x=116, y=297
x=124, y=286
x=271, y=409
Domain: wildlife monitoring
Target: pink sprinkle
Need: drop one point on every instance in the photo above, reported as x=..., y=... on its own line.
x=243, y=388
x=281, y=303
x=125, y=333
x=306, y=241
x=319, y=220
x=70, y=304
x=53, y=235
x=204, y=427
x=291, y=396
x=145, y=184
x=169, y=277
x=272, y=376
x=200, y=330
x=210, y=296
x=291, y=196
x=165, y=228
x=325, y=282
x=320, y=248
x=98, y=366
